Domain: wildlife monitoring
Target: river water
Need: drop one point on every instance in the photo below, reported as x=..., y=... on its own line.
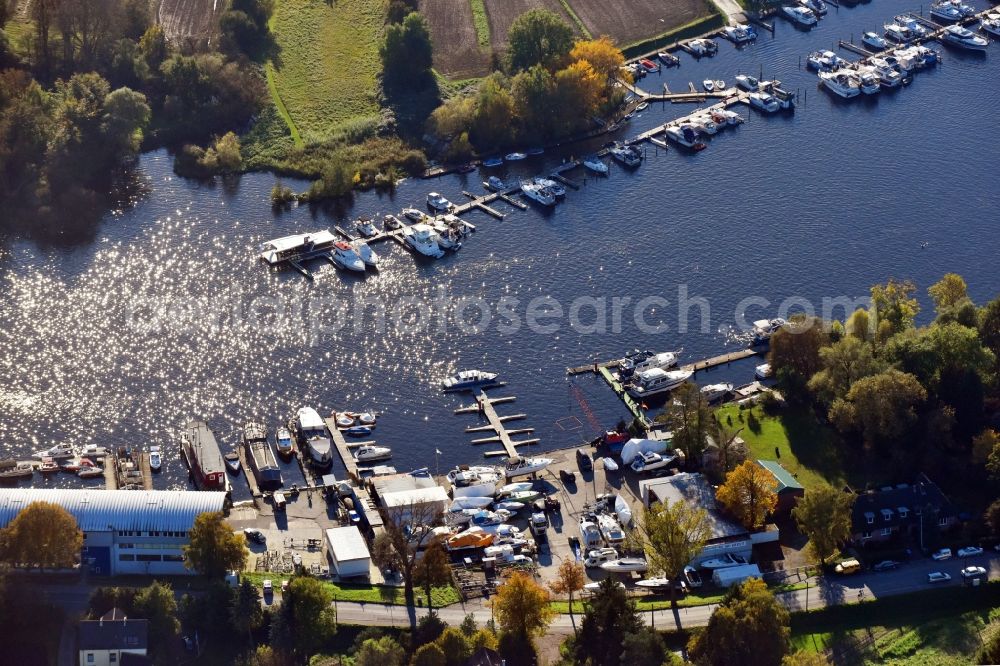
x=167, y=313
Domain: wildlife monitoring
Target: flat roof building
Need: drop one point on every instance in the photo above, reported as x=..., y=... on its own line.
x=348, y=551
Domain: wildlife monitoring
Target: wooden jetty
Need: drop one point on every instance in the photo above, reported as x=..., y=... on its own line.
x=110, y=473
x=484, y=406
x=704, y=364
x=854, y=48
x=255, y=491
x=619, y=389
x=343, y=448
x=147, y=471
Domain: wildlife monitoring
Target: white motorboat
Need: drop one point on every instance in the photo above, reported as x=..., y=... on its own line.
x=763, y=101
x=315, y=436
x=609, y=464
x=663, y=360
x=897, y=33
x=155, y=458
x=763, y=371
x=476, y=481
x=715, y=392
x=517, y=487
x=57, y=452
x=438, y=202
x=817, y=7
x=668, y=59
x=553, y=186
x=461, y=503
x=414, y=214
x=610, y=529
x=911, y=24
x=702, y=47
x=596, y=165
x=659, y=583
x=485, y=518
x=90, y=472
x=519, y=466
x=732, y=118
x=537, y=193
x=747, y=82
x=371, y=453
x=740, y=33
x=495, y=184
x=872, y=41
x=590, y=535
x=283, y=441
x=345, y=257
x=467, y=380
x=509, y=505
x=724, y=562
x=869, y=81
x=888, y=74
x=708, y=85
x=657, y=381
x=515, y=157
x=423, y=239
x=720, y=85
x=92, y=451
x=964, y=38
x=447, y=236
x=524, y=496
x=630, y=156
x=366, y=228
x=705, y=124
x=990, y=24
x=623, y=511
x=946, y=11
x=392, y=223
x=825, y=61
x=907, y=60
x=591, y=588
x=626, y=565
x=365, y=253
x=799, y=15
x=686, y=135
x=841, y=83
x=647, y=461
x=295, y=246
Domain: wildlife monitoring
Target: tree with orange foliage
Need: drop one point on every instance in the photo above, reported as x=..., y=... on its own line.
x=749, y=494
x=602, y=55
x=578, y=89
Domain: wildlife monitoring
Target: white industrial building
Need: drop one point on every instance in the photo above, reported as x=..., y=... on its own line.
x=402, y=494
x=348, y=552
x=124, y=531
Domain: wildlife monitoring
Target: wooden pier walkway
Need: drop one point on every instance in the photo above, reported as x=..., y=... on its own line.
x=616, y=386
x=854, y=48
x=255, y=491
x=343, y=448
x=704, y=364
x=484, y=406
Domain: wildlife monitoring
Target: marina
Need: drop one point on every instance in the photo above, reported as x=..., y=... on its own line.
x=485, y=407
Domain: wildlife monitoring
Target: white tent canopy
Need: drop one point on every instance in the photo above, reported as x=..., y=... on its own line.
x=634, y=447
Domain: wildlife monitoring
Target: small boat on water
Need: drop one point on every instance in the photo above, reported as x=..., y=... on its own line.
x=910, y=23
x=467, y=380
x=48, y=466
x=372, y=453
x=747, y=82
x=345, y=420
x=990, y=24
x=438, y=202
x=553, y=186
x=947, y=11
x=57, y=452
x=657, y=381
x=869, y=81
x=708, y=85
x=538, y=194
x=19, y=471
x=763, y=371
x=414, y=214
x=888, y=75
x=963, y=38
x=871, y=40
x=720, y=85
x=495, y=183
x=799, y=15
x=284, y=442
x=629, y=156
x=668, y=59
x=155, y=458
x=365, y=253
x=817, y=7
x=93, y=451
x=897, y=33
x=740, y=33
x=534, y=151
x=392, y=223
x=642, y=106
x=314, y=436
x=493, y=162
x=90, y=472
x=366, y=228
x=515, y=157
x=366, y=418
x=702, y=47
x=296, y=246
x=596, y=165
x=686, y=135
x=232, y=463
x=649, y=65
x=358, y=431
x=825, y=61
x=448, y=230
x=423, y=239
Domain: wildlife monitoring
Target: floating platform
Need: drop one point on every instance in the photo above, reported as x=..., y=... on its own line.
x=484, y=406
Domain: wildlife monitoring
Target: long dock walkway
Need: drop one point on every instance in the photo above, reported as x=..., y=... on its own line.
x=484, y=406
x=704, y=364
x=343, y=448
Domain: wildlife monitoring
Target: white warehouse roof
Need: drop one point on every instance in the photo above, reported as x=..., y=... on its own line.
x=402, y=498
x=104, y=510
x=347, y=544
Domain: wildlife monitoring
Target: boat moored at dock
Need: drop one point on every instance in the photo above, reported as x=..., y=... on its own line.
x=437, y=202
x=203, y=457
x=740, y=33
x=843, y=83
x=657, y=382
x=260, y=456
x=345, y=257
x=372, y=453
x=799, y=15
x=314, y=437
x=538, y=194
x=956, y=35
x=423, y=239
x=297, y=246
x=595, y=164
x=872, y=40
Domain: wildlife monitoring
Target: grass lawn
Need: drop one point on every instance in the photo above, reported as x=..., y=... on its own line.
x=660, y=602
x=373, y=594
x=481, y=21
x=324, y=76
x=807, y=448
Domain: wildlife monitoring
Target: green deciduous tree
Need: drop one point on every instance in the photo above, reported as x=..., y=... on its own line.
x=673, y=535
x=610, y=617
x=749, y=628
x=384, y=651
x=213, y=547
x=454, y=646
x=749, y=494
x=948, y=292
x=42, y=534
x=429, y=655
x=859, y=325
x=407, y=54
x=882, y=407
x=989, y=329
x=535, y=102
x=157, y=604
x=432, y=570
x=307, y=620
x=690, y=419
x=795, y=353
x=495, y=114
x=843, y=363
x=894, y=306
x=245, y=612
x=823, y=515
x=538, y=37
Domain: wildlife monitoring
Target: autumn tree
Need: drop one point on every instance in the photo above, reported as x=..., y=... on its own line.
x=578, y=91
x=688, y=416
x=859, y=325
x=894, y=306
x=44, y=535
x=823, y=515
x=804, y=658
x=455, y=646
x=610, y=617
x=989, y=330
x=674, y=534
x=570, y=579
x=214, y=548
x=429, y=654
x=538, y=37
x=749, y=628
x=795, y=353
x=948, y=292
x=432, y=570
x=521, y=608
x=602, y=55
x=843, y=363
x=749, y=494
x=881, y=407
x=407, y=527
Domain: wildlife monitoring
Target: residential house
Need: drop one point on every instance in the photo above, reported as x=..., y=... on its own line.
x=909, y=512
x=112, y=640
x=787, y=487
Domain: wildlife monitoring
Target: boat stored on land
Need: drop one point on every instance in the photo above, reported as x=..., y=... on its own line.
x=260, y=456
x=626, y=565
x=519, y=466
x=203, y=457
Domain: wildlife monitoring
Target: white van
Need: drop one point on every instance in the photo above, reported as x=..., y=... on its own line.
x=279, y=501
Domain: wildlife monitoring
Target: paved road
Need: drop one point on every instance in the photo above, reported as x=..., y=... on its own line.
x=732, y=10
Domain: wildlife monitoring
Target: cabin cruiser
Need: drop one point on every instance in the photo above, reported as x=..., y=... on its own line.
x=519, y=466
x=315, y=436
x=869, y=81
x=297, y=245
x=590, y=534
x=990, y=24
x=473, y=502
x=155, y=458
x=897, y=33
x=730, y=116
x=610, y=530
x=495, y=184
x=799, y=15
x=663, y=360
x=525, y=496
x=486, y=518
x=950, y=10
x=630, y=156
x=423, y=239
x=371, y=453
x=703, y=47
x=763, y=371
x=872, y=41
x=724, y=562
x=626, y=565
x=283, y=440
x=685, y=134
x=825, y=61
x=538, y=194
x=764, y=102
x=741, y=33
x=90, y=472
x=964, y=38
x=596, y=165
x=364, y=252
x=888, y=74
x=647, y=461
x=747, y=82
x=414, y=214
x=553, y=186
x=448, y=230
x=509, y=505
x=48, y=466
x=715, y=392
x=345, y=257
x=763, y=329
x=841, y=82
x=475, y=481
x=705, y=124
x=817, y=7
x=668, y=59
x=56, y=452
x=438, y=202
x=474, y=537
x=911, y=24
x=92, y=451
x=392, y=223
x=19, y=471
x=366, y=228
x=467, y=380
x=657, y=381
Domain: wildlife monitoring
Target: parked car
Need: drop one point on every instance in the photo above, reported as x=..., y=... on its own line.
x=972, y=572
x=284, y=586
x=268, y=587
x=692, y=576
x=254, y=535
x=943, y=554
x=584, y=460
x=885, y=565
x=848, y=566
x=970, y=551
x=938, y=577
